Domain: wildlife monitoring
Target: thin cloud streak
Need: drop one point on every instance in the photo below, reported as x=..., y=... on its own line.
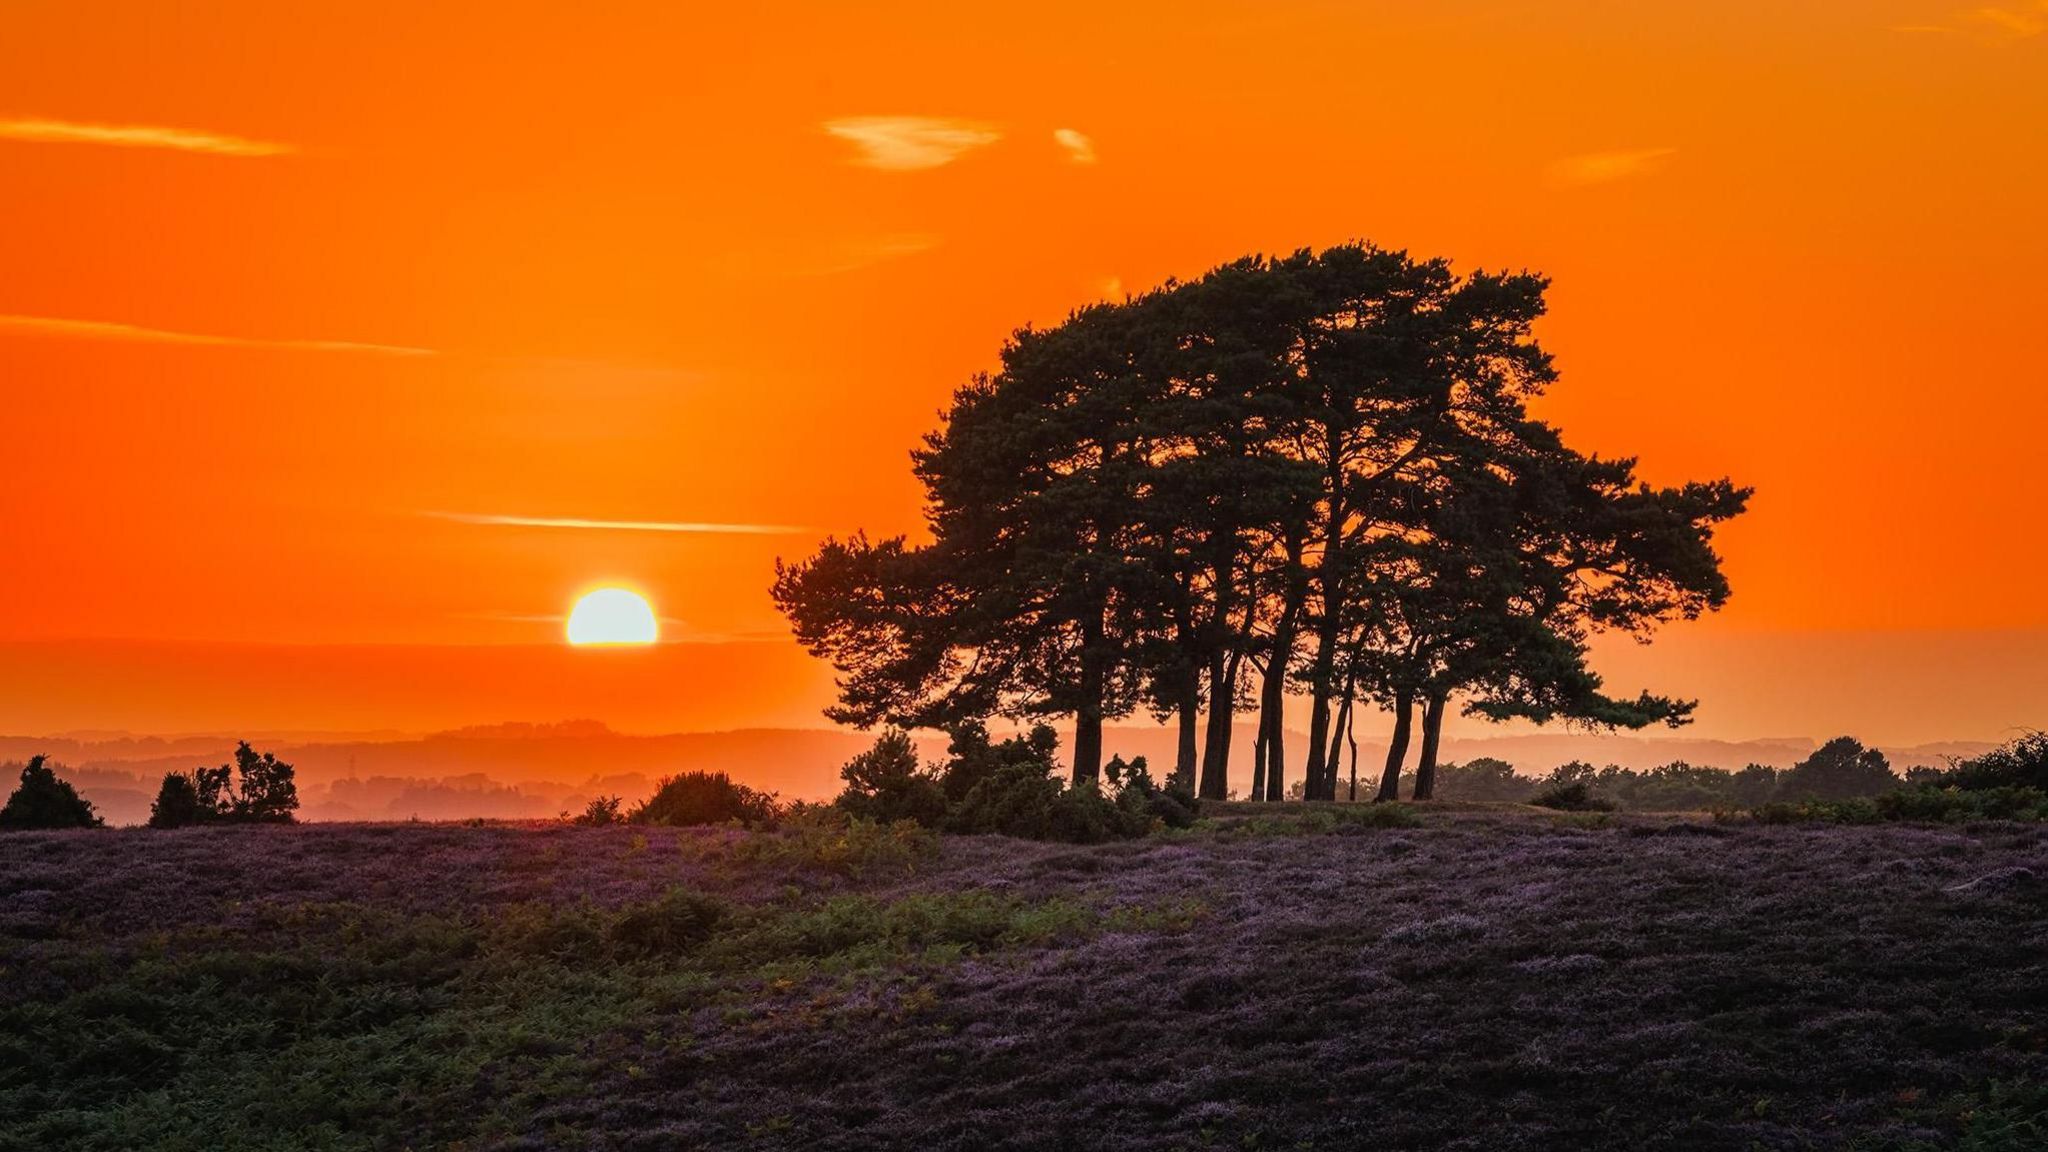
x=2018, y=25
x=109, y=330
x=1605, y=167
x=1080, y=149
x=853, y=255
x=911, y=143
x=689, y=527
x=41, y=131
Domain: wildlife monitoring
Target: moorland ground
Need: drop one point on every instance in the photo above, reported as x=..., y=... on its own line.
x=1477, y=979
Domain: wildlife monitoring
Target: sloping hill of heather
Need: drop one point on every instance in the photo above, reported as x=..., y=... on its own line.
x=1481, y=980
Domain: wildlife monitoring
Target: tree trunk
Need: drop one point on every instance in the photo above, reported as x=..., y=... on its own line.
x=1268, y=767
x=1190, y=706
x=1432, y=730
x=1276, y=745
x=1259, y=756
x=1320, y=690
x=1222, y=712
x=1088, y=716
x=1341, y=730
x=1351, y=737
x=1088, y=744
x=1397, y=748
x=1273, y=693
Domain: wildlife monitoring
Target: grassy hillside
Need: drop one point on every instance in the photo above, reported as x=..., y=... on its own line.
x=1487, y=979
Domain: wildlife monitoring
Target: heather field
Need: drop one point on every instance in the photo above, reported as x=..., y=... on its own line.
x=1485, y=979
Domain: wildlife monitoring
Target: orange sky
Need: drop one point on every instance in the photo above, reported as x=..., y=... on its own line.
x=453, y=262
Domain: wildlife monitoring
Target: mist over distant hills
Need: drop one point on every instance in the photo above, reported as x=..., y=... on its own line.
x=533, y=770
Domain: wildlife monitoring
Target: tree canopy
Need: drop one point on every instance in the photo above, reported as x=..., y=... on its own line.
x=44, y=801
x=1310, y=475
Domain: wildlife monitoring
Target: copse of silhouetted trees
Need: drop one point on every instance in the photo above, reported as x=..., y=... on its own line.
x=1314, y=475
x=255, y=789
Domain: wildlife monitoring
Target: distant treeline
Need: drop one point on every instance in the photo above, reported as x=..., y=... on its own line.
x=1839, y=770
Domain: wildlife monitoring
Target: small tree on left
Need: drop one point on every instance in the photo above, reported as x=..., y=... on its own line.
x=43, y=801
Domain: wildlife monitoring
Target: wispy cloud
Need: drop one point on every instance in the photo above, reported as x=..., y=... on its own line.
x=1080, y=149
x=868, y=251
x=2022, y=24
x=572, y=522
x=41, y=131
x=2018, y=22
x=911, y=143
x=1603, y=167
x=107, y=330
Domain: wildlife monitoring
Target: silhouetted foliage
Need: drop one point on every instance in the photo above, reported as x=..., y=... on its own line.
x=1483, y=778
x=2022, y=763
x=43, y=801
x=600, y=811
x=1840, y=769
x=1576, y=796
x=266, y=791
x=255, y=789
x=886, y=784
x=694, y=798
x=1314, y=473
x=1171, y=806
x=1011, y=788
x=177, y=802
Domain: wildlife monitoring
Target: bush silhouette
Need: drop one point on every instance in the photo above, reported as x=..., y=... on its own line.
x=266, y=793
x=1841, y=769
x=694, y=798
x=2021, y=764
x=43, y=801
x=1576, y=796
x=886, y=784
x=600, y=811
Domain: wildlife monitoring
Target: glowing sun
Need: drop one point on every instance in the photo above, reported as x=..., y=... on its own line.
x=612, y=616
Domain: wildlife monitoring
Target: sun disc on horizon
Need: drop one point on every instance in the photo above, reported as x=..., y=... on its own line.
x=612, y=616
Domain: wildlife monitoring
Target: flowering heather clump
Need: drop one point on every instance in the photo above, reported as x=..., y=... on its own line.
x=1480, y=981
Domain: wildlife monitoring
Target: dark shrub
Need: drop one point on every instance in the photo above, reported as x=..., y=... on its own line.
x=1144, y=801
x=2020, y=764
x=1013, y=800
x=1855, y=810
x=885, y=784
x=704, y=798
x=1841, y=769
x=1484, y=778
x=677, y=921
x=600, y=811
x=267, y=793
x=1953, y=805
x=972, y=758
x=1576, y=796
x=43, y=801
x=1084, y=814
x=177, y=802
x=1754, y=785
